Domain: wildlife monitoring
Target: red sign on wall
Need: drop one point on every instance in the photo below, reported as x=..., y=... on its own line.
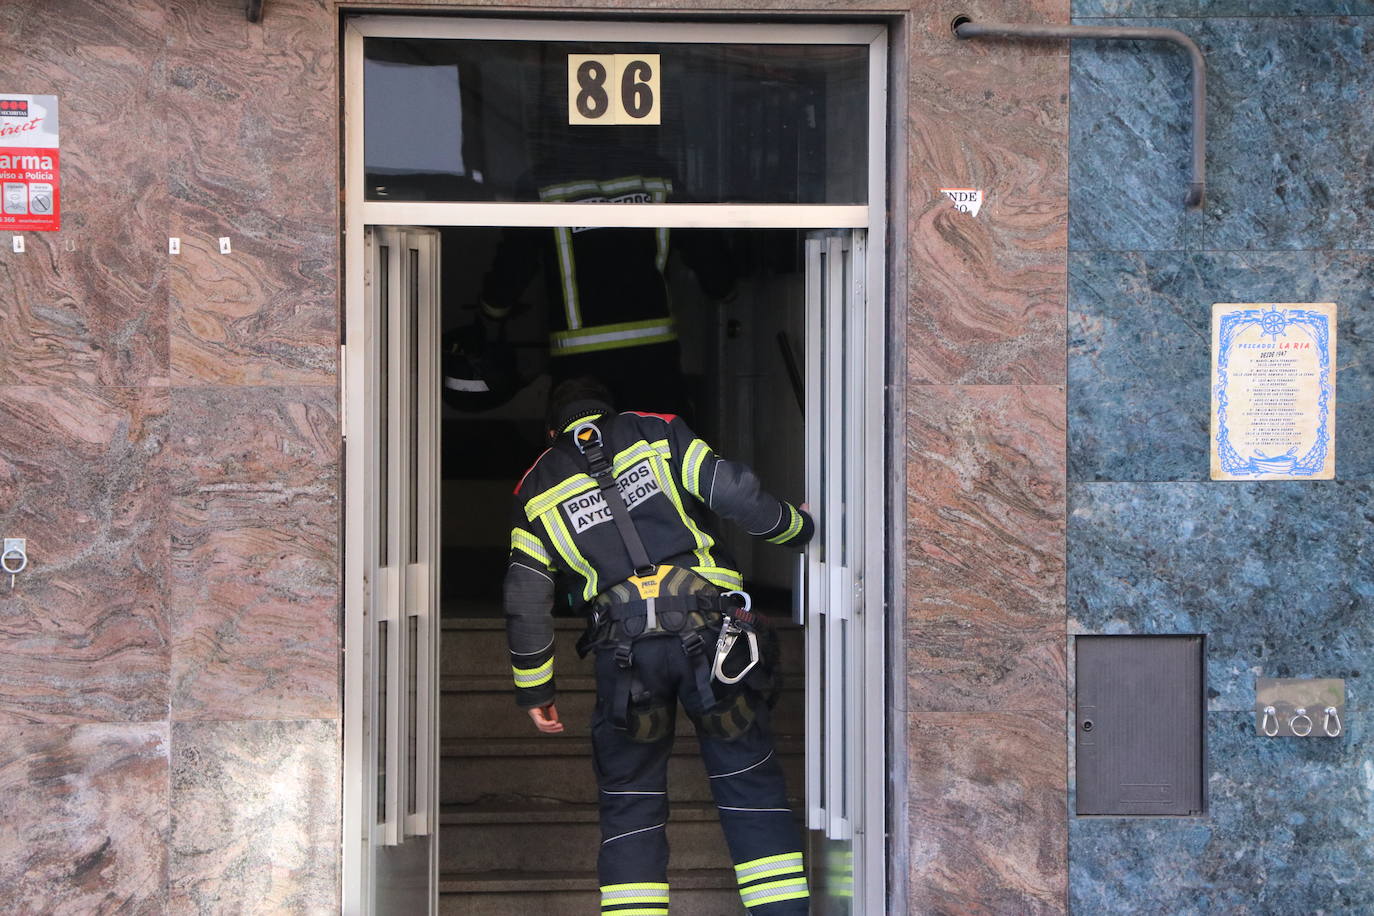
x=28, y=163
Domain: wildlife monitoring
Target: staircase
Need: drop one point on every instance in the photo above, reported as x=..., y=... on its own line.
x=518, y=817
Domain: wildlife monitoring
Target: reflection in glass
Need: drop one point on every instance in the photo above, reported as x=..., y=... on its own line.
x=381, y=730
x=488, y=120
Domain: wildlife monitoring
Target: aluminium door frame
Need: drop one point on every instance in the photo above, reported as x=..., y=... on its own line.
x=871, y=216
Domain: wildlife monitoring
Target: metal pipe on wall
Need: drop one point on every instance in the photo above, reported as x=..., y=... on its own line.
x=965, y=28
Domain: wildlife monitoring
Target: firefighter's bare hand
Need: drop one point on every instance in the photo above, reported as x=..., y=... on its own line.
x=545, y=718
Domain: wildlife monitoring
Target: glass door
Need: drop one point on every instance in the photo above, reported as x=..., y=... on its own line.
x=401, y=432
x=836, y=564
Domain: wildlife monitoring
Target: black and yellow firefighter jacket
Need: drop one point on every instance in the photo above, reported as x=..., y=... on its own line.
x=562, y=524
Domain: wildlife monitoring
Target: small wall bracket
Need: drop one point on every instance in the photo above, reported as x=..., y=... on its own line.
x=1299, y=707
x=965, y=28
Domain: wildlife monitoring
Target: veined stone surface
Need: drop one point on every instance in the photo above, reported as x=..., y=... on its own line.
x=83, y=633
x=255, y=607
x=255, y=817
x=985, y=573
x=85, y=818
x=1286, y=833
x=1140, y=353
x=1289, y=135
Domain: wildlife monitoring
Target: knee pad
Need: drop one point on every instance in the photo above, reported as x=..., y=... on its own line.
x=649, y=722
x=730, y=718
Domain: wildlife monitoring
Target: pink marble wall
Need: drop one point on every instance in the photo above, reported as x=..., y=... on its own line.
x=168, y=442
x=985, y=503
x=169, y=704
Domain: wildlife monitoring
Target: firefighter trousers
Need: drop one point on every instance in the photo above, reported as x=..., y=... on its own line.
x=746, y=782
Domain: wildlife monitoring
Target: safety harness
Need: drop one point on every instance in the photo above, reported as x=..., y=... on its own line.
x=659, y=600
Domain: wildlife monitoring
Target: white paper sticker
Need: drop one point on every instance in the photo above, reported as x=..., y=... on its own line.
x=224, y=246
x=18, y=244
x=173, y=245
x=965, y=200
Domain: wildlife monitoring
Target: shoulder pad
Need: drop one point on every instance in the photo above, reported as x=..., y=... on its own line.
x=665, y=417
x=527, y=473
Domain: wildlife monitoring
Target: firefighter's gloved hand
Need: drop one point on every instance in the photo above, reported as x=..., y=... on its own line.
x=545, y=718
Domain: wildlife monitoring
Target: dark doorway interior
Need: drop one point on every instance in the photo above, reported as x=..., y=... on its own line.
x=519, y=828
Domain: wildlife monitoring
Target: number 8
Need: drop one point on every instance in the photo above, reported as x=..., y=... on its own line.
x=592, y=100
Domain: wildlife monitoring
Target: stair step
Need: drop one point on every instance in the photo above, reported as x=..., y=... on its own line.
x=484, y=707
x=477, y=646
x=694, y=892
x=558, y=769
x=534, y=811
x=568, y=836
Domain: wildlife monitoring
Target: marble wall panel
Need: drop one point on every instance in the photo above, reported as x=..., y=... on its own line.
x=83, y=636
x=1211, y=9
x=88, y=304
x=987, y=818
x=930, y=27
x=1279, y=575
x=1287, y=832
x=251, y=122
x=985, y=542
x=255, y=603
x=1130, y=123
x=86, y=819
x=986, y=294
x=255, y=817
x=1140, y=353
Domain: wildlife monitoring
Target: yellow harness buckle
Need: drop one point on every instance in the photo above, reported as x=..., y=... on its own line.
x=648, y=586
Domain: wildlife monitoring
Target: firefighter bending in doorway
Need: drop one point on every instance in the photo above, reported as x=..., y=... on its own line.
x=617, y=502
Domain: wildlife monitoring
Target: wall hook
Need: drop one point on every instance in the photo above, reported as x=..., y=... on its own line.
x=1300, y=713
x=1270, y=714
x=1332, y=714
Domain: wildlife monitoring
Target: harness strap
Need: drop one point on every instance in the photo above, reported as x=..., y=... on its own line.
x=588, y=439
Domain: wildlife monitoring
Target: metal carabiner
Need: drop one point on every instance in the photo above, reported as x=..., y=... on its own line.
x=723, y=648
x=1293, y=722
x=1270, y=713
x=742, y=595
x=1331, y=713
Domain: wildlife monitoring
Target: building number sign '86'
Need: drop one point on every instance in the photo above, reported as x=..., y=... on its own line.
x=613, y=89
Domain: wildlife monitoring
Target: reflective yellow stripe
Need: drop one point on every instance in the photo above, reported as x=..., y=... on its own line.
x=567, y=269
x=622, y=893
x=533, y=677
x=637, y=452
x=615, y=895
x=746, y=871
x=555, y=494
x=704, y=541
x=567, y=549
x=611, y=336
x=638, y=911
x=691, y=467
x=521, y=539
x=718, y=575
x=773, y=891
x=793, y=528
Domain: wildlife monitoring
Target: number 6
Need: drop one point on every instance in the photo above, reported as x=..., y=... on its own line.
x=636, y=89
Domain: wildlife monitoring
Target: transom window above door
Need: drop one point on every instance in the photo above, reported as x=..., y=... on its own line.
x=476, y=119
